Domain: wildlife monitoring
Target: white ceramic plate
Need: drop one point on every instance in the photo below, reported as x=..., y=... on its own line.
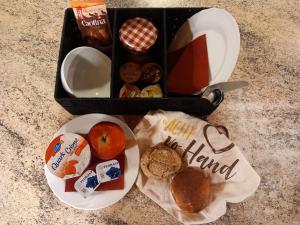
x=222, y=37
x=102, y=199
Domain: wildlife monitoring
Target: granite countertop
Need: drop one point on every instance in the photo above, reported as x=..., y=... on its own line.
x=263, y=120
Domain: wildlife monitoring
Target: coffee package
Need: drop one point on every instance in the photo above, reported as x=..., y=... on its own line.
x=93, y=23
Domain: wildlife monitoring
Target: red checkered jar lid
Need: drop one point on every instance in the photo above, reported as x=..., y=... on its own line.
x=138, y=34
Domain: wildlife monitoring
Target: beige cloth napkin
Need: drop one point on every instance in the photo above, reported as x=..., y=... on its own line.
x=232, y=176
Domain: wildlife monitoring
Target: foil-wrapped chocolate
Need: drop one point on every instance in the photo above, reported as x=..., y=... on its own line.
x=151, y=73
x=129, y=91
x=152, y=91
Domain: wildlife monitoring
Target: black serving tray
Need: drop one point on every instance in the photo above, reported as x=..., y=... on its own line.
x=167, y=21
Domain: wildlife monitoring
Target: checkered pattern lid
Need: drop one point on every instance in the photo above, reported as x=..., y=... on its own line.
x=138, y=34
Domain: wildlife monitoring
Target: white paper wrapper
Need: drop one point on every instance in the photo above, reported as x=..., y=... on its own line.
x=237, y=182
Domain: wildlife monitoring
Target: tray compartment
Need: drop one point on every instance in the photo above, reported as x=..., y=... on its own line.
x=156, y=54
x=70, y=39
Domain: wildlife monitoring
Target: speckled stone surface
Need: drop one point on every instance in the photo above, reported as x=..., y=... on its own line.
x=263, y=120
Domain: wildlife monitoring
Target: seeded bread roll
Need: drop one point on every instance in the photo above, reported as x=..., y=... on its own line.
x=160, y=162
x=191, y=189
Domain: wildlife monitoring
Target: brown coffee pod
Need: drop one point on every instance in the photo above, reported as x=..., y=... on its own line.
x=151, y=73
x=191, y=189
x=129, y=91
x=130, y=72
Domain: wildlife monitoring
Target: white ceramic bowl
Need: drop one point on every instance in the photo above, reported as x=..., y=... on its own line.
x=86, y=72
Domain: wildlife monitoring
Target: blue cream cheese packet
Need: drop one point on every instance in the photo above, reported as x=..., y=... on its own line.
x=108, y=171
x=87, y=183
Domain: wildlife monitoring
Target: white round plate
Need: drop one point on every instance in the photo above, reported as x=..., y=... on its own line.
x=222, y=38
x=97, y=200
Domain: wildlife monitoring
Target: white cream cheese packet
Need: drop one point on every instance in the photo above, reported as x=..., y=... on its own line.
x=205, y=147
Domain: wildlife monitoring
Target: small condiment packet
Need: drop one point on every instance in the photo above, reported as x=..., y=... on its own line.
x=108, y=171
x=87, y=183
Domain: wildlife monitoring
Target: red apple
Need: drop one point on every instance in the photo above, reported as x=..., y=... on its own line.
x=107, y=140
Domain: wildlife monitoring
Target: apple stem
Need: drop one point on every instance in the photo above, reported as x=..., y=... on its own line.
x=104, y=137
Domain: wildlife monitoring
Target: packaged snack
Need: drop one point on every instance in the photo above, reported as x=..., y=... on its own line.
x=108, y=171
x=87, y=183
x=68, y=155
x=93, y=23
